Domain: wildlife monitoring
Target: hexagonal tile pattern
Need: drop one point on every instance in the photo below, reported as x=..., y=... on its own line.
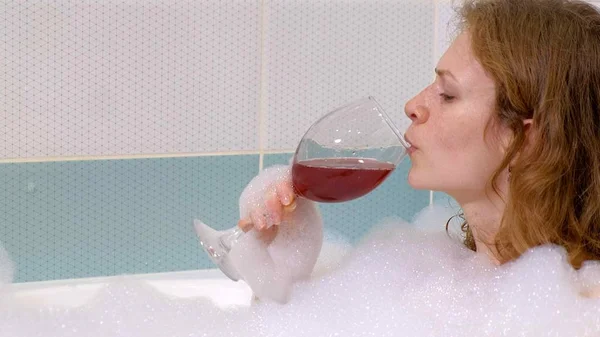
x=122, y=77
x=445, y=27
x=92, y=218
x=322, y=54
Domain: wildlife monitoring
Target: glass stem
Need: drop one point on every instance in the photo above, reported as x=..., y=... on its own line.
x=230, y=238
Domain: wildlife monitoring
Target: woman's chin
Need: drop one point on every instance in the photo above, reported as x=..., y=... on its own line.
x=416, y=183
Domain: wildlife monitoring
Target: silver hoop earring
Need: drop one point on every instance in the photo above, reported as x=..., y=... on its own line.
x=460, y=215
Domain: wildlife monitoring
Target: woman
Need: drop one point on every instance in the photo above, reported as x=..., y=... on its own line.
x=510, y=128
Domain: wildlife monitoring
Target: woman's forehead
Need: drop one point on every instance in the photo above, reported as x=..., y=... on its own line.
x=460, y=61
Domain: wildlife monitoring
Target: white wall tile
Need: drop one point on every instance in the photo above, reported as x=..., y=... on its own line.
x=445, y=27
x=125, y=77
x=321, y=54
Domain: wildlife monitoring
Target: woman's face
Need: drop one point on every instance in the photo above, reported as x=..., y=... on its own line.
x=450, y=151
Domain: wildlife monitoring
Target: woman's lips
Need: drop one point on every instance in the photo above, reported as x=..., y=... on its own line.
x=412, y=148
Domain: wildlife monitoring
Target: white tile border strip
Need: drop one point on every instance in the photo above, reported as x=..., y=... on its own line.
x=141, y=156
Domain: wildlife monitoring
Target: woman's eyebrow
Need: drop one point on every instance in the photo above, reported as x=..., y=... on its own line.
x=445, y=73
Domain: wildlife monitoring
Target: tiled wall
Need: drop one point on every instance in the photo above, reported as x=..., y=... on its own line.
x=123, y=120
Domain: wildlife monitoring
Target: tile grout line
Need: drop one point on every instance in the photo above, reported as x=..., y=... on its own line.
x=261, y=89
x=137, y=156
x=436, y=21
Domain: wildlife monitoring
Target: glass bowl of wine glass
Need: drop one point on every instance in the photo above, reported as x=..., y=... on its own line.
x=344, y=155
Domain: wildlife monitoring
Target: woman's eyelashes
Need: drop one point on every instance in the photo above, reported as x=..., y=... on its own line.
x=447, y=98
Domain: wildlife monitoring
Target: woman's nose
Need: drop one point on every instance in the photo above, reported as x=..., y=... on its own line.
x=416, y=109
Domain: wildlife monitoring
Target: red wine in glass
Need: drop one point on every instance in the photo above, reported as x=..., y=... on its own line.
x=338, y=179
x=344, y=155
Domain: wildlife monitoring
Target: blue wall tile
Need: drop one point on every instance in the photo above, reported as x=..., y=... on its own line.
x=75, y=219
x=353, y=219
x=443, y=199
x=72, y=219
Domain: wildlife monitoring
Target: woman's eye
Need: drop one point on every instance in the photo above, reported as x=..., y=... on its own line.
x=447, y=98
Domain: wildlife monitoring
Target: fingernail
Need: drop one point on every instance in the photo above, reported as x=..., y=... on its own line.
x=291, y=207
x=287, y=199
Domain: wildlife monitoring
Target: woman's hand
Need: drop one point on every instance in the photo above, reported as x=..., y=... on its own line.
x=279, y=201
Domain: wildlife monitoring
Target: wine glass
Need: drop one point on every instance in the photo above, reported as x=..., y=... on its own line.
x=343, y=156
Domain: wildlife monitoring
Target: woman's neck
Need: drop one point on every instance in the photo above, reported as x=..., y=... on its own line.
x=484, y=216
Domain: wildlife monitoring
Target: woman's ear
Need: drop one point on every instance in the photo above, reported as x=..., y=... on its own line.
x=529, y=129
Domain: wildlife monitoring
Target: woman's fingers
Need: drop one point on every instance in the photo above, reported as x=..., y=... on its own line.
x=285, y=192
x=274, y=209
x=245, y=224
x=258, y=219
x=268, y=234
x=279, y=200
